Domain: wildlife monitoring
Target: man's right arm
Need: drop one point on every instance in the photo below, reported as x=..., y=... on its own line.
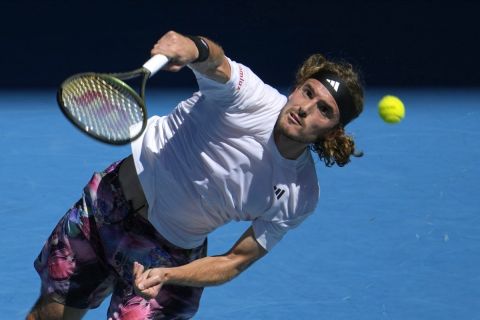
x=216, y=67
x=182, y=51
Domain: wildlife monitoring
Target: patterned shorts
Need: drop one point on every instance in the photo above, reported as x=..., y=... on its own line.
x=91, y=251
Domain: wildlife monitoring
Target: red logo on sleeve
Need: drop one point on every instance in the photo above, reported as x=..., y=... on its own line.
x=241, y=78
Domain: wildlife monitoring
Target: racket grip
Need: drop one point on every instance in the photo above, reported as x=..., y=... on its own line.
x=155, y=63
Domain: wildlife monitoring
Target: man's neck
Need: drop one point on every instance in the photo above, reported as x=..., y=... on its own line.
x=288, y=148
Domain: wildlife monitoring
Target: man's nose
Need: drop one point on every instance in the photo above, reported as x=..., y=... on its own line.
x=306, y=109
x=302, y=113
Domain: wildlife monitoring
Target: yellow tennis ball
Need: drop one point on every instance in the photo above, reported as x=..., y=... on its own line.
x=391, y=109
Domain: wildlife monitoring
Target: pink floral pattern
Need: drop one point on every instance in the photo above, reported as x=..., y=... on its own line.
x=61, y=264
x=134, y=309
x=91, y=251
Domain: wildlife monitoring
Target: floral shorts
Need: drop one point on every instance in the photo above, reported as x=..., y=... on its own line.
x=91, y=251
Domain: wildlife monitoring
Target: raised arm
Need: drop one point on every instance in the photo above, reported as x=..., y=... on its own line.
x=182, y=51
x=208, y=271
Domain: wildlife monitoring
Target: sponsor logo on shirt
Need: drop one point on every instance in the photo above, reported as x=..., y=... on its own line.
x=279, y=192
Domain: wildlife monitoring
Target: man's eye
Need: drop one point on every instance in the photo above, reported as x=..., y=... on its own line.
x=323, y=109
x=308, y=93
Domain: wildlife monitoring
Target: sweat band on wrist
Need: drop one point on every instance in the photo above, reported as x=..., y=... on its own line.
x=339, y=91
x=202, y=47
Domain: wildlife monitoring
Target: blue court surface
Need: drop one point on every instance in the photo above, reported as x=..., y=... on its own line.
x=396, y=234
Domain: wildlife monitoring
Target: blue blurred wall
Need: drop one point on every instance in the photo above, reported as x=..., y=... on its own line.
x=394, y=43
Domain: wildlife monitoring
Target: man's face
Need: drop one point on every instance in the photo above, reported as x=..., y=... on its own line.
x=310, y=113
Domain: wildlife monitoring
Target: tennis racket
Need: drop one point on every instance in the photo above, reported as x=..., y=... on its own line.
x=106, y=108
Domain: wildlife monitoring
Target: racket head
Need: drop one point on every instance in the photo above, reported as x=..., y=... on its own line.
x=103, y=107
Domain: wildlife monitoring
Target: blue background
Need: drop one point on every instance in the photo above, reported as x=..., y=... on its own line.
x=396, y=234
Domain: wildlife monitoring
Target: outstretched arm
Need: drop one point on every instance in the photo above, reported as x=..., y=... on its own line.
x=208, y=271
x=182, y=51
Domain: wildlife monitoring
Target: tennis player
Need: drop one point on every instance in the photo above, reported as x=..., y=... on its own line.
x=235, y=150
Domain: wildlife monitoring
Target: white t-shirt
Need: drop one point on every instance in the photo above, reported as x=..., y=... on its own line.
x=213, y=159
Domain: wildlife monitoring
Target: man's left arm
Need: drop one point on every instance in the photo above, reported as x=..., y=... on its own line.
x=208, y=271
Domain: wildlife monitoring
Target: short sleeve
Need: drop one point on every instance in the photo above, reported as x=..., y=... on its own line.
x=288, y=212
x=243, y=91
x=269, y=233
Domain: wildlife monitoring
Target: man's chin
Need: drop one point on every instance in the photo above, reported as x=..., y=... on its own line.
x=295, y=137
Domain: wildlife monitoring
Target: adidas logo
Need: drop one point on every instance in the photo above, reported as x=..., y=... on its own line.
x=278, y=192
x=334, y=84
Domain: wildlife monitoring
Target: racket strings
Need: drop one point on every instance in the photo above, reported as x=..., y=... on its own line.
x=103, y=107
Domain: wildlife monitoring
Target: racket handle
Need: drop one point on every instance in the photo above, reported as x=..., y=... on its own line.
x=155, y=63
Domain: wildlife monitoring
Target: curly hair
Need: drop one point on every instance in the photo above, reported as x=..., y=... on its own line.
x=337, y=147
